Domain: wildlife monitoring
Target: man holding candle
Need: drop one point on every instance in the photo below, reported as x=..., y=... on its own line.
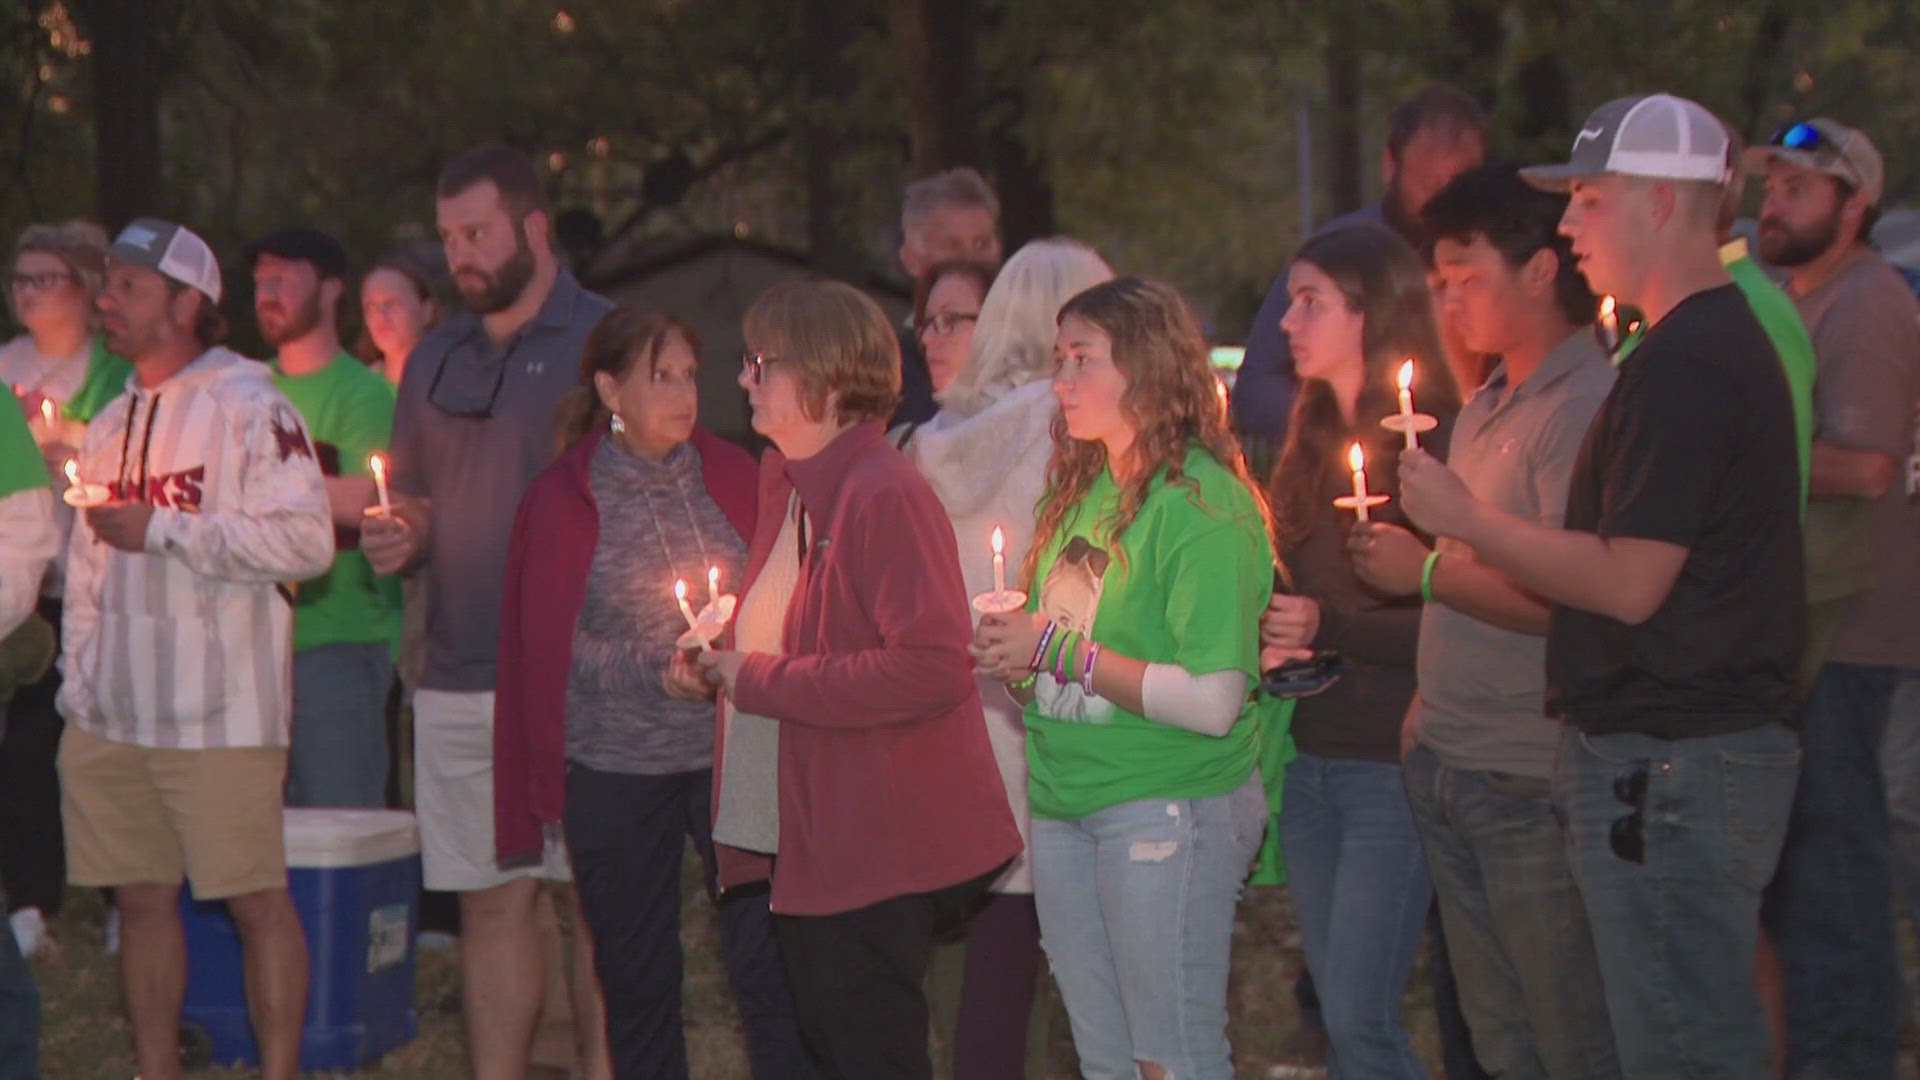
x=1678, y=594
x=474, y=424
x=1478, y=752
x=1830, y=905
x=346, y=623
x=178, y=645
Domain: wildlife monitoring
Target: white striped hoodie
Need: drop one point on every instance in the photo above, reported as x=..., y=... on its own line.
x=189, y=644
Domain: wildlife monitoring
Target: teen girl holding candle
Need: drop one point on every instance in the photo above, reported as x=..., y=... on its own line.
x=1356, y=870
x=1150, y=563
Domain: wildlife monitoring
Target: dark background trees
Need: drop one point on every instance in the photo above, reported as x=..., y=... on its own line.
x=1191, y=139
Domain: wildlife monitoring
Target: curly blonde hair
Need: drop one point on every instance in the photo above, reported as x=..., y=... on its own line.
x=1172, y=399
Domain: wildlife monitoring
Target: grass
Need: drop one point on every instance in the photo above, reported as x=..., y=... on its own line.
x=85, y=1033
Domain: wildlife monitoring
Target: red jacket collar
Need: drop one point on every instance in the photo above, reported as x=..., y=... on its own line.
x=818, y=477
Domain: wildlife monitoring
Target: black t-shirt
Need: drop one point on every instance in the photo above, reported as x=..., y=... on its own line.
x=1695, y=447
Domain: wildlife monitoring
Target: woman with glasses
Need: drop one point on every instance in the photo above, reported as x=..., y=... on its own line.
x=985, y=454
x=1360, y=306
x=946, y=312
x=601, y=727
x=852, y=749
x=1151, y=559
x=62, y=374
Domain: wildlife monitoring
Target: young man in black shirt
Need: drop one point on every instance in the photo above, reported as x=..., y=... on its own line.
x=1678, y=595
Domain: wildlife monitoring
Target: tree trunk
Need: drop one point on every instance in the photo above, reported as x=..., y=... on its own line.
x=1769, y=38
x=825, y=138
x=934, y=40
x=126, y=110
x=1344, y=155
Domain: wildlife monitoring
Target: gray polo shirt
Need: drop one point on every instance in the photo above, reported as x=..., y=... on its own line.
x=474, y=425
x=1482, y=689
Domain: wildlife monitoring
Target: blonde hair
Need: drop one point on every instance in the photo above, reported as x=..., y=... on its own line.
x=1172, y=400
x=80, y=244
x=1013, y=341
x=837, y=340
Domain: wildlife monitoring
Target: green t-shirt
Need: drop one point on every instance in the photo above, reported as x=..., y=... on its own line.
x=106, y=378
x=348, y=408
x=21, y=466
x=1193, y=573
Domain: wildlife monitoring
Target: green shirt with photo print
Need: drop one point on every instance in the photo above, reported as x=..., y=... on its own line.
x=1192, y=574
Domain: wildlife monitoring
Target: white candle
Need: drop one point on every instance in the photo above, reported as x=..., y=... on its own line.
x=999, y=560
x=1406, y=405
x=1610, y=322
x=680, y=595
x=73, y=473
x=713, y=585
x=377, y=462
x=1357, y=461
x=46, y=411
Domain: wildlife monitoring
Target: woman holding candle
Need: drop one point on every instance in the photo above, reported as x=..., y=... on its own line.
x=1360, y=307
x=852, y=749
x=1150, y=562
x=985, y=454
x=601, y=727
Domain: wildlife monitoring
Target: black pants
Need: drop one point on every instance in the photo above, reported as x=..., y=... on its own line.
x=626, y=835
x=859, y=980
x=33, y=854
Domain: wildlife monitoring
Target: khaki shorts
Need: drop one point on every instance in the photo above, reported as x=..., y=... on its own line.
x=138, y=815
x=453, y=795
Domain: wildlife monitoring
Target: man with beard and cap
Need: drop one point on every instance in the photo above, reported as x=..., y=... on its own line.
x=1433, y=136
x=1829, y=908
x=474, y=425
x=345, y=623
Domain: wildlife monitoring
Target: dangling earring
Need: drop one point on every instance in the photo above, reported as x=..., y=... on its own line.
x=618, y=424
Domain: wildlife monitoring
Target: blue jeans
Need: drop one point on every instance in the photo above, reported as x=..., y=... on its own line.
x=339, y=752
x=1136, y=906
x=1360, y=889
x=1830, y=906
x=1676, y=932
x=1516, y=928
x=19, y=1012
x=1900, y=765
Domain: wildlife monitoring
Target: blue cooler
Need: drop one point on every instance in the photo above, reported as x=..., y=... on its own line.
x=355, y=878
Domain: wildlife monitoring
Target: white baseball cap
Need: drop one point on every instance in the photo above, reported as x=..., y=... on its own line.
x=173, y=250
x=1658, y=136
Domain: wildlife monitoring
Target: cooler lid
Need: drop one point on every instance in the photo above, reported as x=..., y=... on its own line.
x=322, y=837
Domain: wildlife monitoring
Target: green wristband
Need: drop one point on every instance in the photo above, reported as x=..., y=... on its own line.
x=1426, y=576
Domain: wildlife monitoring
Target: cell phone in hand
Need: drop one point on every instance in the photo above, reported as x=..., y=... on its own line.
x=1305, y=677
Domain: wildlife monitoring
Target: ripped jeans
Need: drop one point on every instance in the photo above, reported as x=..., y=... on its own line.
x=1136, y=906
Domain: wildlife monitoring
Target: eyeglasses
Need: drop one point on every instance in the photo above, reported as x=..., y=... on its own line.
x=1800, y=136
x=947, y=322
x=484, y=412
x=1628, y=836
x=755, y=365
x=46, y=281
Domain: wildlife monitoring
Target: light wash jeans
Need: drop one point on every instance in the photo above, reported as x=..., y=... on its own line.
x=1136, y=906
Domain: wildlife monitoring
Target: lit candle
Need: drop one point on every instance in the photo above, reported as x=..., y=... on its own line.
x=713, y=585
x=680, y=595
x=1357, y=461
x=73, y=473
x=377, y=462
x=999, y=560
x=46, y=411
x=1406, y=405
x=1609, y=323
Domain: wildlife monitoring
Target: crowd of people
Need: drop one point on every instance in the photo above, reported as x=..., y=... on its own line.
x=1542, y=589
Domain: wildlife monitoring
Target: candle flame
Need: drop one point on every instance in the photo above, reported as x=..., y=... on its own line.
x=713, y=580
x=1356, y=458
x=378, y=463
x=1406, y=375
x=73, y=472
x=1606, y=308
x=999, y=541
x=46, y=410
x=679, y=589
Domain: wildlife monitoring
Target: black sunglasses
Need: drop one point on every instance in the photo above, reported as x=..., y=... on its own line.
x=484, y=412
x=1628, y=836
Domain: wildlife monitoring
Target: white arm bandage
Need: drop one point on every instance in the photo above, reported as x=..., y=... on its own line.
x=1208, y=704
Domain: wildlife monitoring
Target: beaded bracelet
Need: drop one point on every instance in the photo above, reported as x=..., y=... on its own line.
x=1086, y=676
x=1040, y=651
x=1023, y=684
x=1426, y=576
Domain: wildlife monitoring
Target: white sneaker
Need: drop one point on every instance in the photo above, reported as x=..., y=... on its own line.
x=29, y=930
